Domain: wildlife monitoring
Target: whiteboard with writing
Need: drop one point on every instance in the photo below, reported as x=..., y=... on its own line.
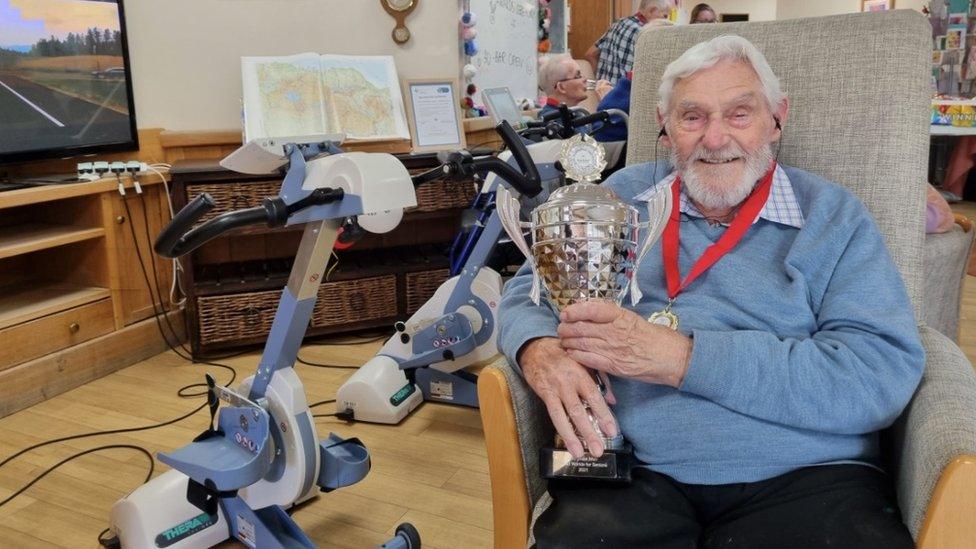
x=508, y=37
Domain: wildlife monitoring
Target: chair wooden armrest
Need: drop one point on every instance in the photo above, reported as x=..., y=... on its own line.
x=949, y=517
x=964, y=222
x=510, y=504
x=932, y=449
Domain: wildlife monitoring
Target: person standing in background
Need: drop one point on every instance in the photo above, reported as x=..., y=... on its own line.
x=613, y=54
x=702, y=13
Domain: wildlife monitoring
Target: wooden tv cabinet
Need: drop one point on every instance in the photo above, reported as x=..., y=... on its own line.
x=73, y=300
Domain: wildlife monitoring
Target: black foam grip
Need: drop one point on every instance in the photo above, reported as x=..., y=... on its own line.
x=520, y=153
x=182, y=222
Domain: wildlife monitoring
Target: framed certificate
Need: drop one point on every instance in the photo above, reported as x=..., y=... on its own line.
x=434, y=115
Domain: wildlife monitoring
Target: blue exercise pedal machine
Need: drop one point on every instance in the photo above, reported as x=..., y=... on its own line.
x=261, y=454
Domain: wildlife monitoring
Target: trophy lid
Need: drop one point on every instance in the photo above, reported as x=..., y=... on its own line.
x=583, y=159
x=584, y=202
x=585, y=192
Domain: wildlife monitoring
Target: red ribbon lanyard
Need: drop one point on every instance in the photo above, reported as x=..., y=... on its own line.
x=737, y=229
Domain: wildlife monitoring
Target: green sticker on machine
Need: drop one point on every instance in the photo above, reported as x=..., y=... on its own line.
x=401, y=395
x=185, y=529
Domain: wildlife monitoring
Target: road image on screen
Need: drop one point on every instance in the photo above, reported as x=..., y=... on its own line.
x=63, y=78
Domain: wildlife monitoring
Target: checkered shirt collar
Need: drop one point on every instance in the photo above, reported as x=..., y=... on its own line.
x=781, y=206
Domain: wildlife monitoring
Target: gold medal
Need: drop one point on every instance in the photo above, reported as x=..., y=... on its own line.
x=665, y=317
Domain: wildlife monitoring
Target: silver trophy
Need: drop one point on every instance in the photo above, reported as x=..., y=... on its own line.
x=585, y=246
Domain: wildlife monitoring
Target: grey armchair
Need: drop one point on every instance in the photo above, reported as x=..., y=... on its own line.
x=943, y=272
x=859, y=91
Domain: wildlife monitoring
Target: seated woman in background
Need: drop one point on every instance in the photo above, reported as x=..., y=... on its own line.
x=702, y=13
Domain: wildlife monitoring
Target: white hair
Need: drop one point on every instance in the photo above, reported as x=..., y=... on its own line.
x=707, y=54
x=662, y=5
x=552, y=70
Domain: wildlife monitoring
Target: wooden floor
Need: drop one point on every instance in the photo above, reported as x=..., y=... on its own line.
x=431, y=470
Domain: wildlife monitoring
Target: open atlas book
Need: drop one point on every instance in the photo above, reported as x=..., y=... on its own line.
x=311, y=94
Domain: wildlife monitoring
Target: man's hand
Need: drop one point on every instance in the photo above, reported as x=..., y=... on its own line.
x=608, y=338
x=564, y=386
x=602, y=88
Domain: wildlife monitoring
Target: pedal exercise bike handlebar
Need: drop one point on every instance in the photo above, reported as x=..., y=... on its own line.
x=179, y=237
x=461, y=165
x=562, y=123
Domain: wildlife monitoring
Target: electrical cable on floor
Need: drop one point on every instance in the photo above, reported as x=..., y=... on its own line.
x=300, y=360
x=182, y=392
x=95, y=433
x=21, y=490
x=321, y=402
x=101, y=535
x=334, y=343
x=228, y=355
x=155, y=296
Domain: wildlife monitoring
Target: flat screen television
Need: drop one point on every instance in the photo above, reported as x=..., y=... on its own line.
x=65, y=86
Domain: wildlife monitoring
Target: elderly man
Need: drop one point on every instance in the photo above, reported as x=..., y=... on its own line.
x=562, y=81
x=613, y=54
x=755, y=417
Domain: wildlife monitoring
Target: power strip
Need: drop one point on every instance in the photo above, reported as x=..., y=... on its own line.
x=96, y=170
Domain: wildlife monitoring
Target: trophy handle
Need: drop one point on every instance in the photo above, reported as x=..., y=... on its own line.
x=507, y=207
x=658, y=211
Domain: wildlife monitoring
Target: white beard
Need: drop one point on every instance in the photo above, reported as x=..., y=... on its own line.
x=719, y=195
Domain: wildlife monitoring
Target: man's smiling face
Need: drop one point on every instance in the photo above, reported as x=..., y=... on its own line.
x=720, y=129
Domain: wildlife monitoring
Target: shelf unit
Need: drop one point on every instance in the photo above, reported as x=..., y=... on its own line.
x=25, y=301
x=68, y=278
x=32, y=237
x=234, y=282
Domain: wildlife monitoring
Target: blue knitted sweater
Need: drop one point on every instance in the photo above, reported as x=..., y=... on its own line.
x=804, y=342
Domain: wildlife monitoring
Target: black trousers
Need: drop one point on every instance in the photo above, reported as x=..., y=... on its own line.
x=827, y=506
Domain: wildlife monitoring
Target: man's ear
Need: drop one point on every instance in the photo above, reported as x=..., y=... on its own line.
x=663, y=132
x=780, y=114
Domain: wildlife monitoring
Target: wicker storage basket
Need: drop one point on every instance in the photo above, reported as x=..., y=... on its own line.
x=439, y=195
x=355, y=300
x=444, y=195
x=249, y=315
x=233, y=196
x=235, y=317
x=421, y=285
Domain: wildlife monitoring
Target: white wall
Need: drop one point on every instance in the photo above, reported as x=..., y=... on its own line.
x=186, y=54
x=758, y=10
x=795, y=9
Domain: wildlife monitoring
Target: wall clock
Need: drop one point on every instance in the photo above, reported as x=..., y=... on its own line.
x=399, y=10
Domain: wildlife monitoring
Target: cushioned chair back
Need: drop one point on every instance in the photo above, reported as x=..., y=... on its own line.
x=860, y=93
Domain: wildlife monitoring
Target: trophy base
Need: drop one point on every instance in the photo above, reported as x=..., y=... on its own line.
x=613, y=466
